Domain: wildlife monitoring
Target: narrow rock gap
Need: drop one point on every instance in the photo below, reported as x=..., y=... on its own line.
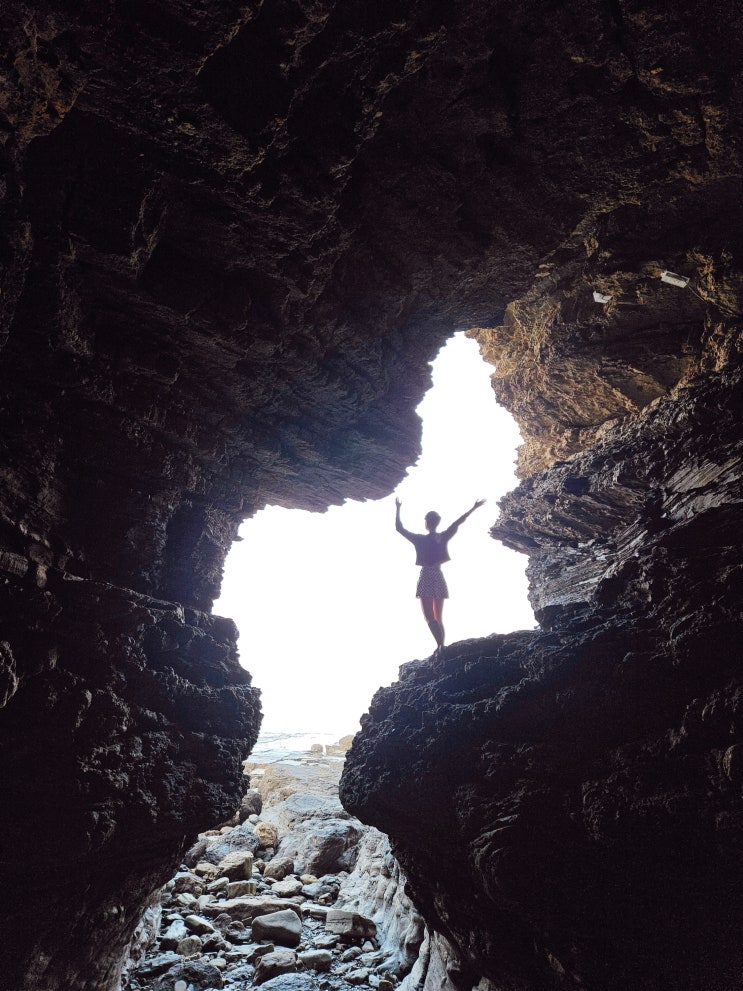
x=294, y=892
x=325, y=603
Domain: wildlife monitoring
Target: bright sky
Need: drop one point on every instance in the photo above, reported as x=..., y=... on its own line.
x=325, y=602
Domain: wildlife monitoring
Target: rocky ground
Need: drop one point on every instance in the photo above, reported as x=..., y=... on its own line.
x=292, y=893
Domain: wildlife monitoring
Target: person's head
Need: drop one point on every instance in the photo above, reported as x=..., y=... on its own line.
x=432, y=520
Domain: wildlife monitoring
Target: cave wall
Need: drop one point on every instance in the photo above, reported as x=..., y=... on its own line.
x=582, y=782
x=232, y=238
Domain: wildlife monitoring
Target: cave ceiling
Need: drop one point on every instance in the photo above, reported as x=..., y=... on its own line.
x=234, y=235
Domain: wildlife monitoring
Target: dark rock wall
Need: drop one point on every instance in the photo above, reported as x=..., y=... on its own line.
x=566, y=803
x=232, y=236
x=582, y=783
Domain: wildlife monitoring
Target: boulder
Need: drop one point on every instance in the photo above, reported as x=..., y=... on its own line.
x=316, y=833
x=199, y=926
x=232, y=930
x=315, y=911
x=325, y=848
x=236, y=866
x=237, y=889
x=206, y=870
x=283, y=927
x=187, y=883
x=251, y=804
x=301, y=806
x=158, y=964
x=278, y=868
x=240, y=838
x=360, y=976
x=220, y=884
x=173, y=935
x=349, y=925
x=195, y=853
x=186, y=901
x=340, y=748
x=320, y=960
x=189, y=946
x=326, y=941
x=291, y=982
x=197, y=974
x=281, y=961
x=287, y=888
x=247, y=909
x=267, y=833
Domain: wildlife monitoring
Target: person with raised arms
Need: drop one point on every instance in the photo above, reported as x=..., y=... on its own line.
x=431, y=550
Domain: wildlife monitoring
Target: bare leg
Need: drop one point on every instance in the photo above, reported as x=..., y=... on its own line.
x=438, y=612
x=432, y=609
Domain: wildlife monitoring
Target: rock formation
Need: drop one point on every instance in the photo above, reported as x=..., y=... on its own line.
x=594, y=791
x=232, y=237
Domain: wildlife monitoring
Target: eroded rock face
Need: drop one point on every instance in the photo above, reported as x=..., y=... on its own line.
x=129, y=721
x=578, y=781
x=232, y=238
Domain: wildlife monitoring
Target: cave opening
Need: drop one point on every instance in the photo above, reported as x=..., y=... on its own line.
x=325, y=602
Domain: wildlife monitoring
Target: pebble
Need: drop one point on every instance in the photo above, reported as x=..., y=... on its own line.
x=305, y=944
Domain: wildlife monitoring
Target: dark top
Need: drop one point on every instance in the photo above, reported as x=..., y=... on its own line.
x=430, y=548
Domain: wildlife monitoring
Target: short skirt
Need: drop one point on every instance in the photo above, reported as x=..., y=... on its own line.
x=431, y=583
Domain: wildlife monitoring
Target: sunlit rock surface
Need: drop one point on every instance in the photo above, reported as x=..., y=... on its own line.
x=232, y=238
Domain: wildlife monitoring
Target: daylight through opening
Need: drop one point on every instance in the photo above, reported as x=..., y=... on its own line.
x=325, y=602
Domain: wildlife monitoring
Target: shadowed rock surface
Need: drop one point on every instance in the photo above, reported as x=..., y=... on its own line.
x=232, y=238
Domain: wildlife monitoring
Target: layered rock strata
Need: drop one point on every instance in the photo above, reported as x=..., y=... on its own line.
x=232, y=238
x=595, y=787
x=593, y=797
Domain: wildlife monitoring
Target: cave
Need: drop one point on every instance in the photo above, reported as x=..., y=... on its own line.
x=233, y=237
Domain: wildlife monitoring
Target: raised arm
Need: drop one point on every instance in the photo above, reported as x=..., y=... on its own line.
x=455, y=525
x=398, y=523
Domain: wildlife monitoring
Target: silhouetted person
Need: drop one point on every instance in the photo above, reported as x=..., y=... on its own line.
x=431, y=551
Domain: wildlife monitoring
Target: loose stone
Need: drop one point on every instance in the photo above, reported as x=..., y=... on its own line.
x=267, y=834
x=320, y=960
x=189, y=946
x=283, y=927
x=281, y=961
x=173, y=935
x=278, y=869
x=358, y=976
x=198, y=925
x=236, y=866
x=349, y=924
x=287, y=888
x=237, y=889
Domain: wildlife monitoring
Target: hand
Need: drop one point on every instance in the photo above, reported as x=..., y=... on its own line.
x=478, y=503
x=397, y=503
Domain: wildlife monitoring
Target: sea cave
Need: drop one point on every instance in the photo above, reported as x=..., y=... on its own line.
x=233, y=236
